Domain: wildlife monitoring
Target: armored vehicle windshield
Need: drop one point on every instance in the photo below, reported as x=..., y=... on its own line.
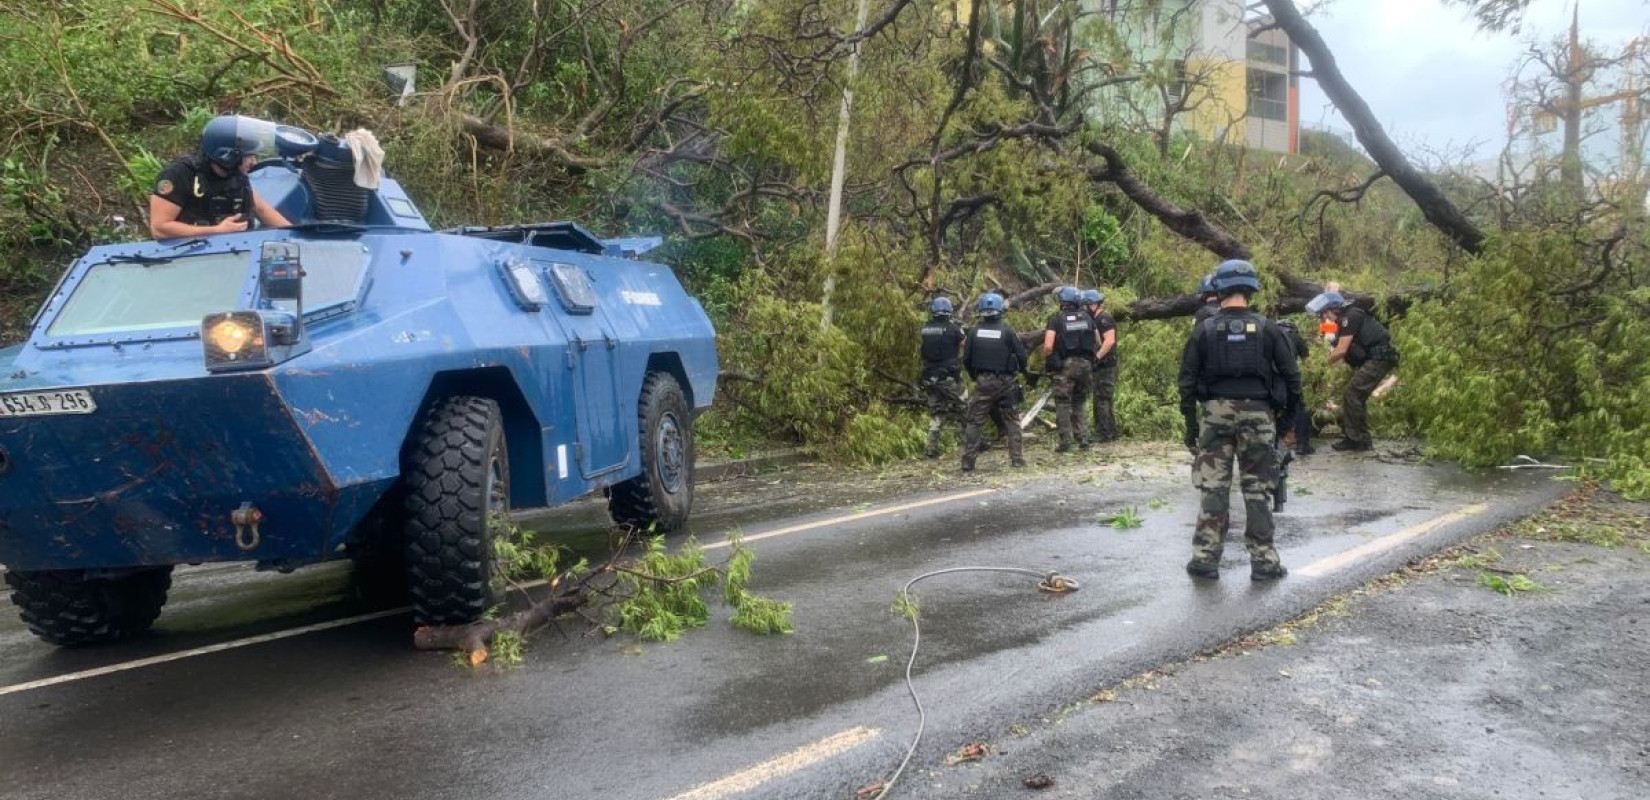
x=152, y=294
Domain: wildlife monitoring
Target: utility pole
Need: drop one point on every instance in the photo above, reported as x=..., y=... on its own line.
x=839, y=170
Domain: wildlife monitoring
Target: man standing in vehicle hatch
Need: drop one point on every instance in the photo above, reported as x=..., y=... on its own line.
x=1240, y=367
x=204, y=193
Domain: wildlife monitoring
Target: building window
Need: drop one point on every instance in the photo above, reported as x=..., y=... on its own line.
x=1268, y=53
x=1181, y=84
x=1268, y=95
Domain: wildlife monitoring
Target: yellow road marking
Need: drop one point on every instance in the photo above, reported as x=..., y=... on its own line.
x=1329, y=564
x=804, y=756
x=881, y=512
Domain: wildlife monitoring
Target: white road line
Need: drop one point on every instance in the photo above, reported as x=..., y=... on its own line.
x=199, y=651
x=804, y=756
x=1329, y=564
x=339, y=623
x=881, y=512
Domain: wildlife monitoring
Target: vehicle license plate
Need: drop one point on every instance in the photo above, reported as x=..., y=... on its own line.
x=37, y=404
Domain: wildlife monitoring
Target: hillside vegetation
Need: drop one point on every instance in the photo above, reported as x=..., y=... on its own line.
x=989, y=149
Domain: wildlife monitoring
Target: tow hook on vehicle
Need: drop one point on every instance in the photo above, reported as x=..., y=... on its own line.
x=246, y=519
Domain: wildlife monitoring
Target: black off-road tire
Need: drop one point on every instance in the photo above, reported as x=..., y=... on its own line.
x=660, y=498
x=67, y=608
x=457, y=475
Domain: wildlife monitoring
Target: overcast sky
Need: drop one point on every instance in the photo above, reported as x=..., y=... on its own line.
x=1431, y=77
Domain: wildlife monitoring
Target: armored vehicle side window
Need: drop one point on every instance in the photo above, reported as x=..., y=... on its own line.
x=129, y=297
x=572, y=288
x=333, y=273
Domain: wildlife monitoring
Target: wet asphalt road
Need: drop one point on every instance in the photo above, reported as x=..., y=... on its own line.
x=354, y=712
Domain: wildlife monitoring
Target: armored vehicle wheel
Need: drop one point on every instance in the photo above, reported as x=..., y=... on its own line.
x=65, y=607
x=458, y=483
x=661, y=496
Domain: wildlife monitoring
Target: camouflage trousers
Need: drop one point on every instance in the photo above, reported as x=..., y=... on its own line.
x=1241, y=431
x=1105, y=388
x=1355, y=405
x=995, y=396
x=1071, y=395
x=945, y=404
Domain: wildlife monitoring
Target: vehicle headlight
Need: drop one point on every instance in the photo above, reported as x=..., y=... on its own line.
x=236, y=340
x=231, y=335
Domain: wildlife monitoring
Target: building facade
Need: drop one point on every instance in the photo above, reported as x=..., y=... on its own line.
x=1234, y=78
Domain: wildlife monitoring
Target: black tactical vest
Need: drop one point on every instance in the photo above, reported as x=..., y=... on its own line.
x=1234, y=356
x=940, y=338
x=989, y=349
x=1076, y=333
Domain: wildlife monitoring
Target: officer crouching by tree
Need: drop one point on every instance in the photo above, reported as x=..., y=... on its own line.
x=993, y=355
x=1070, y=347
x=1366, y=346
x=1105, y=367
x=942, y=340
x=1239, y=366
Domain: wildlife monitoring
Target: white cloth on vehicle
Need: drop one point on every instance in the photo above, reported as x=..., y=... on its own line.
x=368, y=155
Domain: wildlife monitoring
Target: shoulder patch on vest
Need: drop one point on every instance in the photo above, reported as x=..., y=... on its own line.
x=164, y=186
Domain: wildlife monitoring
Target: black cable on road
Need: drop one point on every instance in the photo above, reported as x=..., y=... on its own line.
x=1052, y=582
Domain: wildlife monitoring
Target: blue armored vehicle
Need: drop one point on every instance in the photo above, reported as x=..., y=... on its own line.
x=355, y=386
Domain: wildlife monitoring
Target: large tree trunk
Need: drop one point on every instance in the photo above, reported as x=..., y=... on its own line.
x=1190, y=224
x=1438, y=209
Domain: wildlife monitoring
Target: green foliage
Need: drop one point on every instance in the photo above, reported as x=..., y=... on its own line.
x=1509, y=585
x=907, y=604
x=506, y=649
x=1127, y=519
x=1523, y=370
x=142, y=170
x=665, y=593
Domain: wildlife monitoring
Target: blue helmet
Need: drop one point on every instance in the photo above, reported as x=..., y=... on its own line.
x=1093, y=297
x=226, y=140
x=990, y=305
x=1207, y=285
x=1234, y=275
x=1069, y=294
x=1326, y=301
x=940, y=307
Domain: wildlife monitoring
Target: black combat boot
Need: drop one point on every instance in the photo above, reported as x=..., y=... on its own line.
x=1203, y=568
x=933, y=451
x=968, y=465
x=1259, y=571
x=1350, y=446
x=1065, y=447
x=1017, y=463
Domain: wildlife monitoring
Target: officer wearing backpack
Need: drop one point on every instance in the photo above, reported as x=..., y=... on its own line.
x=1366, y=346
x=993, y=355
x=1070, y=347
x=1239, y=367
x=942, y=340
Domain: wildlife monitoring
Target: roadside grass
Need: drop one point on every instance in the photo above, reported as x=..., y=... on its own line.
x=1592, y=516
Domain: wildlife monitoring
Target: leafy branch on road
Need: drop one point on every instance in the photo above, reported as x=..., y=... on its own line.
x=657, y=595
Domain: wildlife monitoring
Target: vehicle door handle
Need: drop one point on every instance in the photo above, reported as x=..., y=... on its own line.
x=583, y=345
x=611, y=342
